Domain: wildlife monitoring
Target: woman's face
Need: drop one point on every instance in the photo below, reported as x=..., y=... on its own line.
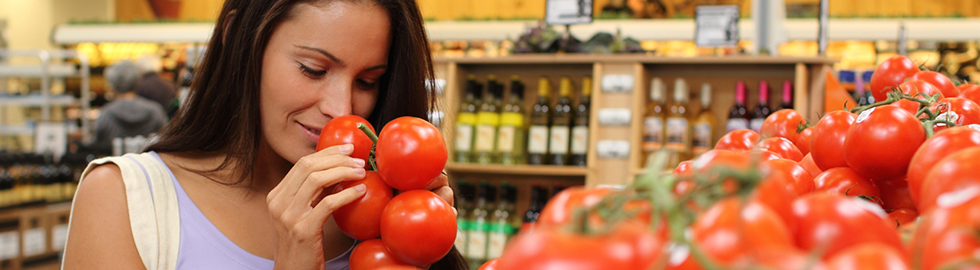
x=322, y=62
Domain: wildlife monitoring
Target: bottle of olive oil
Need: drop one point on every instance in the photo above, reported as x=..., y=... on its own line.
x=476, y=251
x=704, y=126
x=504, y=222
x=466, y=120
x=678, y=125
x=488, y=119
x=561, y=123
x=464, y=205
x=510, y=135
x=653, y=121
x=537, y=135
x=580, y=130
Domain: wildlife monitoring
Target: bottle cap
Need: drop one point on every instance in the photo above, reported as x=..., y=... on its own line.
x=705, y=95
x=565, y=86
x=586, y=86
x=763, y=92
x=740, y=92
x=680, y=90
x=787, y=91
x=544, y=87
x=516, y=87
x=657, y=89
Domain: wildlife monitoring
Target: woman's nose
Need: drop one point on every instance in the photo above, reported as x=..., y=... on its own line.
x=336, y=100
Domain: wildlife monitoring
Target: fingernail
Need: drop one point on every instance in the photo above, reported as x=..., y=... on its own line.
x=360, y=188
x=346, y=148
x=455, y=212
x=359, y=162
x=359, y=171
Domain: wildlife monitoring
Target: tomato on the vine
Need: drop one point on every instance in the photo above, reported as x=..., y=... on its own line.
x=782, y=147
x=891, y=73
x=834, y=223
x=343, y=130
x=881, y=142
x=947, y=235
x=903, y=216
x=361, y=219
x=730, y=228
x=799, y=180
x=970, y=91
x=844, y=181
x=827, y=141
x=490, y=265
x=561, y=207
x=913, y=88
x=809, y=165
x=940, y=81
x=932, y=150
x=738, y=140
x=783, y=181
x=869, y=256
x=802, y=142
x=415, y=217
x=372, y=254
x=627, y=246
x=763, y=155
x=410, y=153
x=895, y=194
x=960, y=111
x=954, y=172
x=783, y=123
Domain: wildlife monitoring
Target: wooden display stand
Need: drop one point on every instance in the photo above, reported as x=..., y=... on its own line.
x=36, y=230
x=721, y=72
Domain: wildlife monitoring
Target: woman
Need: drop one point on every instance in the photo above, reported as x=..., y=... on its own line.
x=242, y=149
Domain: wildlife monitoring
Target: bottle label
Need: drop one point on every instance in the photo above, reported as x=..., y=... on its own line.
x=537, y=140
x=462, y=231
x=466, y=118
x=677, y=133
x=464, y=137
x=580, y=140
x=559, y=140
x=499, y=233
x=485, y=135
x=736, y=124
x=702, y=138
x=511, y=119
x=477, y=247
x=756, y=124
x=653, y=133
x=505, y=139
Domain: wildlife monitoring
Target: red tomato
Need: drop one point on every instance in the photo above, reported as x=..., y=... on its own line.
x=800, y=182
x=932, y=150
x=722, y=158
x=730, y=228
x=960, y=111
x=827, y=141
x=418, y=227
x=844, y=181
x=629, y=246
x=966, y=86
x=490, y=265
x=372, y=254
x=783, y=181
x=763, y=155
x=954, y=172
x=802, y=142
x=410, y=153
x=561, y=207
x=881, y=142
x=938, y=80
x=869, y=256
x=782, y=123
x=738, y=140
x=948, y=235
x=398, y=267
x=782, y=147
x=683, y=169
x=343, y=130
x=971, y=92
x=895, y=194
x=361, y=219
x=903, y=216
x=835, y=223
x=779, y=259
x=913, y=87
x=809, y=165
x=891, y=73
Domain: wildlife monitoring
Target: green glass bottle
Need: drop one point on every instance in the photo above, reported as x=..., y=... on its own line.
x=580, y=130
x=510, y=135
x=488, y=119
x=476, y=249
x=561, y=123
x=466, y=121
x=537, y=134
x=504, y=222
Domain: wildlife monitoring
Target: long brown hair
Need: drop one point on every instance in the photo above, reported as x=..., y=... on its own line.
x=222, y=115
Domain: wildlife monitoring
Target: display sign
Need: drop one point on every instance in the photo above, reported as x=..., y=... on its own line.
x=617, y=83
x=613, y=149
x=615, y=116
x=565, y=12
x=51, y=138
x=34, y=242
x=717, y=26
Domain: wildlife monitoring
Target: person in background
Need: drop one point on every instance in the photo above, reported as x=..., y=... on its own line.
x=128, y=115
x=152, y=86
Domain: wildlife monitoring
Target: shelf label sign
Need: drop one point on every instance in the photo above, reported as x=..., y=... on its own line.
x=51, y=138
x=564, y=12
x=617, y=83
x=717, y=26
x=613, y=149
x=615, y=116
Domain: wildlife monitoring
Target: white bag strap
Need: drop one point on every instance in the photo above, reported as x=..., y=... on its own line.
x=152, y=203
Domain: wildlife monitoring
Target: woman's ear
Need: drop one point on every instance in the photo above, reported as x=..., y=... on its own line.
x=224, y=28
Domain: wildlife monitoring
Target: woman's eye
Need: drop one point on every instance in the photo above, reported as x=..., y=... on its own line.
x=367, y=85
x=311, y=72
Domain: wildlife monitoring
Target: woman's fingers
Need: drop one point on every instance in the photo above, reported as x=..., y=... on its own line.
x=327, y=158
x=330, y=203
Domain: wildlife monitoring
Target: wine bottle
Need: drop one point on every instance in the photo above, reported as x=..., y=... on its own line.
x=539, y=197
x=761, y=111
x=502, y=222
x=510, y=135
x=704, y=125
x=464, y=205
x=738, y=115
x=678, y=126
x=580, y=132
x=476, y=250
x=653, y=121
x=561, y=123
x=787, y=95
x=537, y=135
x=466, y=120
x=487, y=121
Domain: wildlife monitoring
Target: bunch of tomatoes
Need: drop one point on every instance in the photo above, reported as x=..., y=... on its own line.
x=891, y=185
x=416, y=227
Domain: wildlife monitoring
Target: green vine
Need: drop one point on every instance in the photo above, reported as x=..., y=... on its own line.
x=374, y=144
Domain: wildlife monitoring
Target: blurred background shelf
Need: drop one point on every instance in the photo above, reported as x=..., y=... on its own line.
x=54, y=70
x=540, y=170
x=37, y=100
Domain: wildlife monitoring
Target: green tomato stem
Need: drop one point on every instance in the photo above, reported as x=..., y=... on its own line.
x=374, y=144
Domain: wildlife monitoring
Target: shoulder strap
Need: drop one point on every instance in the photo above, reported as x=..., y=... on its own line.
x=152, y=202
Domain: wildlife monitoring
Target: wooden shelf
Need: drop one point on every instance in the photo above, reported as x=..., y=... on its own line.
x=526, y=59
x=547, y=170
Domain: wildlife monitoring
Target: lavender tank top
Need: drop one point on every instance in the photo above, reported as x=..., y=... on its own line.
x=203, y=246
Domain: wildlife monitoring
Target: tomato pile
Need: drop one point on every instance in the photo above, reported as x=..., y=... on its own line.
x=416, y=227
x=891, y=185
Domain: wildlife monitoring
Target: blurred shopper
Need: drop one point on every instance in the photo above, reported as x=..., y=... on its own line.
x=152, y=86
x=128, y=114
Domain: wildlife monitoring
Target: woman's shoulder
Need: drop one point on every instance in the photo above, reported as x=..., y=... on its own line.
x=100, y=228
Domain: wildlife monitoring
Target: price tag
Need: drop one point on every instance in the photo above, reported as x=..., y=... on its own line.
x=568, y=12
x=617, y=83
x=34, y=242
x=438, y=84
x=613, y=149
x=51, y=138
x=717, y=26
x=59, y=236
x=9, y=245
x=615, y=116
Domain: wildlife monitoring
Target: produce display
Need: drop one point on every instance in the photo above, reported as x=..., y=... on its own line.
x=890, y=185
x=416, y=227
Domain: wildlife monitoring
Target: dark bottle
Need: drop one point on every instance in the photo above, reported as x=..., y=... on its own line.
x=561, y=121
x=761, y=111
x=787, y=96
x=537, y=134
x=538, y=198
x=738, y=115
x=580, y=130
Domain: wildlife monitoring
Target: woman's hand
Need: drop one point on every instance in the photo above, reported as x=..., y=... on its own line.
x=440, y=186
x=297, y=214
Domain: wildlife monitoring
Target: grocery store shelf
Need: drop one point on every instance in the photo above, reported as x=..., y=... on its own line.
x=145, y=32
x=632, y=58
x=16, y=130
x=37, y=100
x=60, y=70
x=518, y=169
